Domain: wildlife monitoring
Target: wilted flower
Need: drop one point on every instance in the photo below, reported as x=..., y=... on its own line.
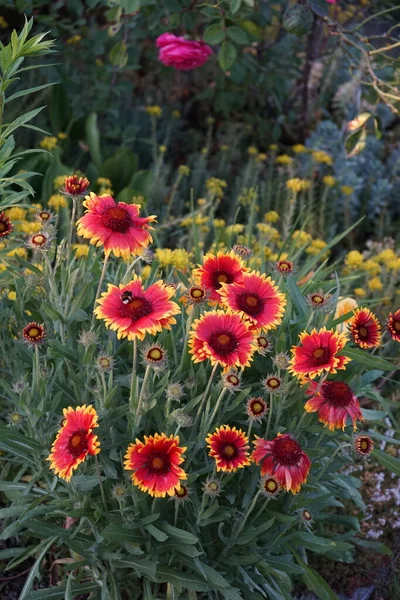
x=6, y=226
x=231, y=380
x=243, y=251
x=105, y=363
x=212, y=487
x=86, y=338
x=174, y=391
x=181, y=418
x=282, y=360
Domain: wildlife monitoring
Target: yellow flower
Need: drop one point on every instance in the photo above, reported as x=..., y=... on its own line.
x=201, y=201
x=219, y=223
x=61, y=135
x=284, y=159
x=344, y=306
x=297, y=185
x=18, y=252
x=28, y=227
x=176, y=114
x=145, y=272
x=198, y=220
x=347, y=190
x=322, y=157
x=316, y=246
x=266, y=229
x=16, y=213
x=247, y=196
x=81, y=250
x=3, y=267
x=177, y=258
x=224, y=147
x=162, y=149
x=48, y=142
x=273, y=147
x=103, y=182
x=59, y=181
x=252, y=150
x=299, y=149
x=204, y=151
x=154, y=110
x=271, y=216
x=262, y=157
x=375, y=284
x=329, y=180
x=371, y=267
x=184, y=170
x=386, y=255
x=354, y=259
x=106, y=191
x=57, y=201
x=35, y=207
x=12, y=295
x=74, y=39
x=393, y=265
x=301, y=237
x=215, y=187
x=360, y=292
x=234, y=229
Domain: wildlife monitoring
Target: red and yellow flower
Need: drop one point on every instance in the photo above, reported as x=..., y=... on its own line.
x=155, y=464
x=362, y=445
x=218, y=269
x=230, y=448
x=222, y=338
x=133, y=311
x=256, y=298
x=34, y=333
x=393, y=325
x=75, y=186
x=365, y=329
x=284, y=459
x=115, y=226
x=6, y=226
x=74, y=441
x=318, y=353
x=334, y=401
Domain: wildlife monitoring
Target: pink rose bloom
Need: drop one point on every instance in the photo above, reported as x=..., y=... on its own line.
x=182, y=54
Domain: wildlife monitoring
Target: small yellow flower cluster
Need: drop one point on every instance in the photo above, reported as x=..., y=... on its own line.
x=267, y=230
x=271, y=216
x=219, y=223
x=81, y=250
x=59, y=181
x=252, y=151
x=224, y=147
x=74, y=39
x=297, y=185
x=247, y=196
x=234, y=229
x=347, y=190
x=199, y=220
x=162, y=149
x=62, y=136
x=322, y=157
x=375, y=284
x=178, y=258
x=201, y=201
x=273, y=147
x=316, y=246
x=29, y=227
x=57, y=201
x=329, y=180
x=21, y=251
x=16, y=213
x=176, y=114
x=48, y=142
x=184, y=170
x=215, y=187
x=371, y=266
x=262, y=157
x=301, y=238
x=284, y=159
x=299, y=149
x=360, y=292
x=154, y=110
x=354, y=260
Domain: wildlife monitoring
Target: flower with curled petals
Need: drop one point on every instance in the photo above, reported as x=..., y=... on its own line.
x=284, y=459
x=184, y=55
x=155, y=464
x=6, y=226
x=74, y=441
x=230, y=448
x=334, y=401
x=222, y=338
x=115, y=225
x=365, y=329
x=318, y=353
x=224, y=267
x=393, y=325
x=133, y=311
x=256, y=298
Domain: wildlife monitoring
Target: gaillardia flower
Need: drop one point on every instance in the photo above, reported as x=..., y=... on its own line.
x=6, y=226
x=284, y=267
x=155, y=463
x=219, y=269
x=365, y=329
x=362, y=445
x=132, y=311
x=256, y=408
x=75, y=186
x=116, y=226
x=33, y=333
x=230, y=448
x=256, y=298
x=393, y=325
x=334, y=401
x=270, y=487
x=284, y=459
x=319, y=352
x=74, y=441
x=222, y=338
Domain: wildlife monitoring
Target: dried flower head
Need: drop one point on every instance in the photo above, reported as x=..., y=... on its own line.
x=44, y=216
x=105, y=363
x=181, y=494
x=282, y=360
x=181, y=418
x=174, y=391
x=318, y=300
x=284, y=267
x=18, y=386
x=273, y=384
x=212, y=487
x=155, y=356
x=119, y=492
x=6, y=226
x=39, y=241
x=263, y=344
x=15, y=419
x=147, y=256
x=86, y=338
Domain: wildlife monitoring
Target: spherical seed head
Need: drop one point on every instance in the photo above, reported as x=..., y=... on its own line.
x=174, y=391
x=212, y=487
x=282, y=360
x=182, y=419
x=86, y=338
x=105, y=363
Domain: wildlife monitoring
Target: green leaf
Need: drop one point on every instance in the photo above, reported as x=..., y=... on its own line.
x=297, y=297
x=183, y=536
x=368, y=360
x=214, y=34
x=93, y=138
x=58, y=592
x=182, y=581
x=387, y=461
x=159, y=535
x=237, y=34
x=373, y=415
x=117, y=533
x=314, y=543
x=227, y=56
x=130, y=6
x=34, y=572
x=235, y=6
x=119, y=54
x=316, y=583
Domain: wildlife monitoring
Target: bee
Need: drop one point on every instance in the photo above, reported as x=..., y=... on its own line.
x=126, y=297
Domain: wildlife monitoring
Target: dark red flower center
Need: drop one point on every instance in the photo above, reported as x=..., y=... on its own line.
x=364, y=445
x=262, y=342
x=39, y=239
x=284, y=266
x=223, y=342
x=3, y=227
x=251, y=304
x=233, y=380
x=181, y=492
x=337, y=393
x=159, y=463
x=396, y=325
x=155, y=354
x=136, y=308
x=197, y=293
x=44, y=215
x=78, y=443
x=117, y=219
x=362, y=332
x=271, y=485
x=228, y=451
x=33, y=332
x=307, y=515
x=320, y=356
x=317, y=299
x=219, y=277
x=257, y=407
x=286, y=451
x=273, y=383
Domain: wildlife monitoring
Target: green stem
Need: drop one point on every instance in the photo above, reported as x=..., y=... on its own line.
x=142, y=392
x=338, y=449
x=216, y=407
x=72, y=224
x=264, y=506
x=132, y=394
x=201, y=405
x=247, y=514
x=103, y=273
x=271, y=404
x=36, y=370
x=129, y=270
x=103, y=497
